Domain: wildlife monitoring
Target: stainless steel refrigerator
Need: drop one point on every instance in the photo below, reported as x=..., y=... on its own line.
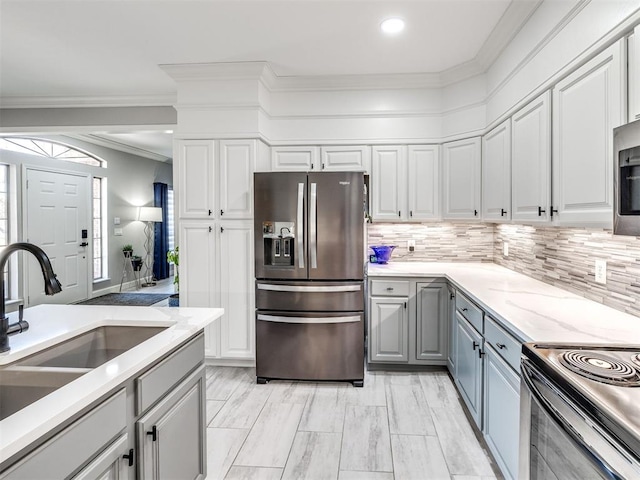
x=309, y=265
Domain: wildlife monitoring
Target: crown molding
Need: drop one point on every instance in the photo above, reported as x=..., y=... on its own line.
x=96, y=139
x=216, y=71
x=89, y=101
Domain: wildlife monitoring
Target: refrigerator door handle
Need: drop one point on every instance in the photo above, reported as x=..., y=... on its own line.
x=313, y=227
x=300, y=234
x=312, y=288
x=308, y=320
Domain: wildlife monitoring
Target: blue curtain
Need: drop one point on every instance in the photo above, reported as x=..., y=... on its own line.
x=161, y=232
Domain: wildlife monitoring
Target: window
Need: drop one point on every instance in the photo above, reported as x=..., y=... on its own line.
x=4, y=222
x=47, y=148
x=170, y=222
x=98, y=189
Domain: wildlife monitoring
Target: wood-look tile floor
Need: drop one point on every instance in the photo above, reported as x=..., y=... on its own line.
x=400, y=426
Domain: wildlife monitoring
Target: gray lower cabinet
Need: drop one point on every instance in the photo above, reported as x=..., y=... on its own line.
x=112, y=464
x=431, y=322
x=389, y=329
x=171, y=436
x=469, y=371
x=453, y=327
x=501, y=412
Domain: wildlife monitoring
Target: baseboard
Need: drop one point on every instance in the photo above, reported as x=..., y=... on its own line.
x=229, y=362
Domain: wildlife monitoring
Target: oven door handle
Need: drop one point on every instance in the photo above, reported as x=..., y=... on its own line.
x=308, y=320
x=528, y=374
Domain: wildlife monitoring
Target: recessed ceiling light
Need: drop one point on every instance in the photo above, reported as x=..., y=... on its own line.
x=391, y=26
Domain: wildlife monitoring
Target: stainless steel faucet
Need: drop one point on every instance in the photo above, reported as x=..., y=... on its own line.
x=51, y=287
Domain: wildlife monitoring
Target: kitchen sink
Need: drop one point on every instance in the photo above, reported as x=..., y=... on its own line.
x=93, y=348
x=20, y=387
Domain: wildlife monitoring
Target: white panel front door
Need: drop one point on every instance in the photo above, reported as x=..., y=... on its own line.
x=56, y=213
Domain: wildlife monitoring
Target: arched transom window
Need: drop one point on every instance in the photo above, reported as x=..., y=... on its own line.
x=47, y=148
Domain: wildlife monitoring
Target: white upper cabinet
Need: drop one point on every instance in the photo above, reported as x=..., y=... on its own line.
x=237, y=161
x=587, y=105
x=388, y=194
x=634, y=75
x=462, y=181
x=294, y=159
x=195, y=170
x=531, y=161
x=496, y=173
x=424, y=182
x=347, y=158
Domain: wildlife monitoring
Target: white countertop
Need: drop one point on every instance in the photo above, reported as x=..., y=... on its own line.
x=51, y=324
x=530, y=309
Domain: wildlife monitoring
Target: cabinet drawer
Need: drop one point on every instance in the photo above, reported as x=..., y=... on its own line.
x=153, y=384
x=469, y=311
x=87, y=436
x=504, y=343
x=392, y=288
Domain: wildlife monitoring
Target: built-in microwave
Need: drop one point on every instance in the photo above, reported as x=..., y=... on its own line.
x=626, y=179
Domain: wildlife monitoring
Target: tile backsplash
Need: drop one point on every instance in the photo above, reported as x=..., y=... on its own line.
x=435, y=242
x=564, y=257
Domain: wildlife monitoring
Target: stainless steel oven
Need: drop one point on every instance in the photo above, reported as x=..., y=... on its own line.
x=575, y=426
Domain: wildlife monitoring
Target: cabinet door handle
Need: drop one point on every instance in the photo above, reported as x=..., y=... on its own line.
x=475, y=345
x=503, y=212
x=541, y=211
x=553, y=210
x=323, y=165
x=475, y=213
x=480, y=353
x=312, y=166
x=129, y=456
x=210, y=229
x=465, y=309
x=221, y=212
x=451, y=296
x=411, y=213
x=210, y=212
x=221, y=230
x=399, y=213
x=153, y=433
x=500, y=345
x=405, y=305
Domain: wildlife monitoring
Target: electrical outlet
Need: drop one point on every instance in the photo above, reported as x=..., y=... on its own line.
x=411, y=245
x=601, y=271
x=505, y=249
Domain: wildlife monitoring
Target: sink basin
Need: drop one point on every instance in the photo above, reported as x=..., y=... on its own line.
x=21, y=387
x=93, y=348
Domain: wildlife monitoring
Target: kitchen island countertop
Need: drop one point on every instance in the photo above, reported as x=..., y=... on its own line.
x=52, y=324
x=530, y=309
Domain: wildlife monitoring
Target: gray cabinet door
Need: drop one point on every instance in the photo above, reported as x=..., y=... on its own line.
x=469, y=367
x=502, y=412
x=431, y=325
x=389, y=330
x=452, y=326
x=171, y=437
x=110, y=464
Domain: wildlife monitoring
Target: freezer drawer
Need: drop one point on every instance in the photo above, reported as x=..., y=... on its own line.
x=310, y=346
x=310, y=296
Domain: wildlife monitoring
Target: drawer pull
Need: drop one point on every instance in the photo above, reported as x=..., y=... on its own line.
x=465, y=309
x=500, y=345
x=129, y=457
x=475, y=345
x=389, y=289
x=153, y=433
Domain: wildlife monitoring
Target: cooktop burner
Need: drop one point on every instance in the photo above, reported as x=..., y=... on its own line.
x=602, y=368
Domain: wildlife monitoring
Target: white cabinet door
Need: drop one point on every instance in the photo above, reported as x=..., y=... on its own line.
x=237, y=326
x=587, y=105
x=424, y=182
x=388, y=330
x=496, y=173
x=469, y=367
x=531, y=161
x=453, y=328
x=347, y=158
x=237, y=164
x=195, y=171
x=388, y=192
x=294, y=159
x=431, y=322
x=462, y=182
x=171, y=437
x=634, y=75
x=502, y=412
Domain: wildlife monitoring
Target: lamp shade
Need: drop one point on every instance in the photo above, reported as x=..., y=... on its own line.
x=150, y=214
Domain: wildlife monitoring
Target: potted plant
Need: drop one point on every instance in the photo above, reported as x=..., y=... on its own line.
x=173, y=256
x=127, y=250
x=136, y=262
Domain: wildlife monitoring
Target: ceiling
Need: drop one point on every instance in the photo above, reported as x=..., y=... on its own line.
x=78, y=51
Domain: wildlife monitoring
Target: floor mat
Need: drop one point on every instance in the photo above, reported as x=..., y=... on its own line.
x=127, y=299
